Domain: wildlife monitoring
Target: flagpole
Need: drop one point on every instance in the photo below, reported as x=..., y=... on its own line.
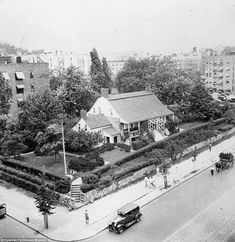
x=65, y=163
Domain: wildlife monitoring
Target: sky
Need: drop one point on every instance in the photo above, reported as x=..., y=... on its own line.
x=160, y=26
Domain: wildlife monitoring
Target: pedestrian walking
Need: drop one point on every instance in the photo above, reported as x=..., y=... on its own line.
x=212, y=171
x=146, y=181
x=210, y=145
x=86, y=217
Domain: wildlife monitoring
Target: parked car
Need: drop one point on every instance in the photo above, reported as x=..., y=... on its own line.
x=127, y=215
x=2, y=210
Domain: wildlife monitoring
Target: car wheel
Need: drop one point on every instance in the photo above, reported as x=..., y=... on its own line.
x=120, y=230
x=137, y=219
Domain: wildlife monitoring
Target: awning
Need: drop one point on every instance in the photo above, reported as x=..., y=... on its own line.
x=20, y=75
x=110, y=132
x=20, y=86
x=6, y=76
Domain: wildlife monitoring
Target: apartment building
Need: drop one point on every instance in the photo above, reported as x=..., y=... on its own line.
x=61, y=60
x=115, y=66
x=189, y=61
x=24, y=79
x=219, y=71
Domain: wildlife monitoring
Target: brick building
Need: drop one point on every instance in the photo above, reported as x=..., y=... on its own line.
x=24, y=79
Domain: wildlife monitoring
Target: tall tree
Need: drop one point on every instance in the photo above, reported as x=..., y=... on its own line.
x=98, y=78
x=5, y=95
x=76, y=93
x=168, y=82
x=37, y=113
x=107, y=74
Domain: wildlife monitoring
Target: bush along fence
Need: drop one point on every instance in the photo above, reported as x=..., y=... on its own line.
x=130, y=174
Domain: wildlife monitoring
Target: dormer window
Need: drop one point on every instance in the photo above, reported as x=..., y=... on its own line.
x=31, y=75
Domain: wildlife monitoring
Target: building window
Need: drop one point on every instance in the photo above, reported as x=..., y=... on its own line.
x=32, y=88
x=19, y=89
x=19, y=76
x=111, y=112
x=85, y=128
x=79, y=127
x=99, y=109
x=227, y=81
x=31, y=75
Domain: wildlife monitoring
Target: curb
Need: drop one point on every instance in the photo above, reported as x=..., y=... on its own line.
x=157, y=197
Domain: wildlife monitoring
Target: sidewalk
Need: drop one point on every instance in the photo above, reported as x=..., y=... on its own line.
x=65, y=225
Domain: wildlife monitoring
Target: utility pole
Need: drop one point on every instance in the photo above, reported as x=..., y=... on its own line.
x=65, y=163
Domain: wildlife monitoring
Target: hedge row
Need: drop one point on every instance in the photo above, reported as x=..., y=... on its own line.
x=25, y=176
x=33, y=170
x=160, y=144
x=124, y=147
x=104, y=147
x=27, y=185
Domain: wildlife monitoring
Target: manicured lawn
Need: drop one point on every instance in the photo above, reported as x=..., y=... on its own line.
x=113, y=155
x=189, y=125
x=55, y=167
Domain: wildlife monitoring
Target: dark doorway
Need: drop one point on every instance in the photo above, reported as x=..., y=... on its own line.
x=115, y=139
x=107, y=140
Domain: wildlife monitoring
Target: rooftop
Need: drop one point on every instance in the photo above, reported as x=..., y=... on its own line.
x=138, y=106
x=95, y=121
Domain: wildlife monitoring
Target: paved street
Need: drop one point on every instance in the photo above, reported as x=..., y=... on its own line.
x=9, y=228
x=209, y=198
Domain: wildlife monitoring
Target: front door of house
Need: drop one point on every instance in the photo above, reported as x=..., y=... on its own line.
x=115, y=139
x=107, y=140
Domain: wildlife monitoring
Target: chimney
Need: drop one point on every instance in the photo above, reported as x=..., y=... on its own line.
x=105, y=92
x=148, y=87
x=83, y=114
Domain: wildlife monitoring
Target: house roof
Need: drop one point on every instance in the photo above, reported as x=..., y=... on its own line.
x=111, y=131
x=138, y=106
x=95, y=121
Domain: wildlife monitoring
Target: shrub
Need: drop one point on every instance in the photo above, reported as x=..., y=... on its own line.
x=87, y=187
x=90, y=178
x=137, y=144
x=100, y=170
x=86, y=163
x=105, y=181
x=104, y=147
x=124, y=147
x=62, y=186
x=225, y=127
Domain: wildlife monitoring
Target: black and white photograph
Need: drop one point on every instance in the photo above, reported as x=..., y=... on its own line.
x=117, y=120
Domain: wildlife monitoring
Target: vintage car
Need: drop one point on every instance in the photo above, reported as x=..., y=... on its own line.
x=2, y=210
x=127, y=215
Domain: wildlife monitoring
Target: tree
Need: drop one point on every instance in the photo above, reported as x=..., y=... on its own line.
x=76, y=93
x=169, y=83
x=201, y=104
x=5, y=95
x=82, y=141
x=49, y=143
x=99, y=78
x=44, y=202
x=14, y=146
x=107, y=74
x=174, y=149
x=37, y=113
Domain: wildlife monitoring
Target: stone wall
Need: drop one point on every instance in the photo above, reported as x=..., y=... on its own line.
x=98, y=193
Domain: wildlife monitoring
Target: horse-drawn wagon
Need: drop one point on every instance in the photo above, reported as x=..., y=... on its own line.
x=226, y=161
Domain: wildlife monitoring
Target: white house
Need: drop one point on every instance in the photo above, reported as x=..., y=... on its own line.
x=121, y=115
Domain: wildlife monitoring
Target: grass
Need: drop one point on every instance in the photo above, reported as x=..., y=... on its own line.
x=113, y=155
x=49, y=163
x=189, y=125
